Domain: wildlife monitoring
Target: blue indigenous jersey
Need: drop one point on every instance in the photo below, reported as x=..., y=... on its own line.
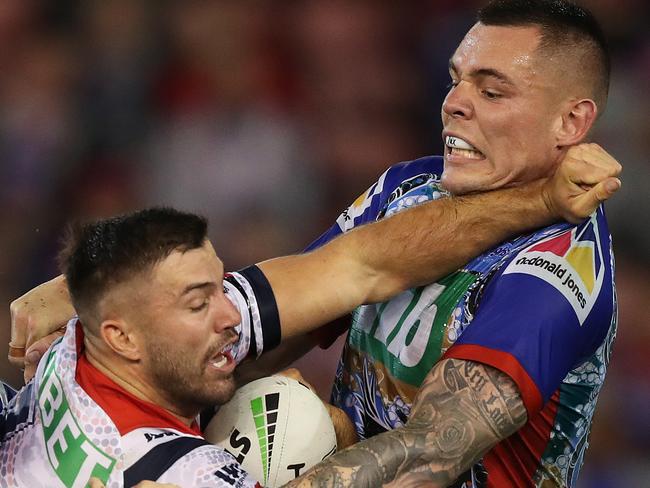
x=540, y=307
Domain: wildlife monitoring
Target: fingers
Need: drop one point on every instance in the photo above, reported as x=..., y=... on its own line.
x=584, y=204
x=95, y=483
x=36, y=314
x=36, y=351
x=590, y=164
x=589, y=201
x=16, y=354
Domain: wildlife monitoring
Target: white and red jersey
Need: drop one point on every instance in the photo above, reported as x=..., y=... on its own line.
x=72, y=422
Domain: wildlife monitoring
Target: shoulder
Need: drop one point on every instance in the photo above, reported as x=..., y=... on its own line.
x=410, y=173
x=573, y=262
x=399, y=182
x=170, y=456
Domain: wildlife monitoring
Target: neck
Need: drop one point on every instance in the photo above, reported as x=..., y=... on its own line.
x=129, y=378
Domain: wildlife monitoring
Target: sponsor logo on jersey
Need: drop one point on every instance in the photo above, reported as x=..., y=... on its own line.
x=72, y=455
x=265, y=415
x=232, y=474
x=572, y=262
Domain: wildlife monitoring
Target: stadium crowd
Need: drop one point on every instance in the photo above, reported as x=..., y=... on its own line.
x=268, y=118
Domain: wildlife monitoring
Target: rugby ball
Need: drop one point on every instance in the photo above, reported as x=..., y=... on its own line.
x=276, y=428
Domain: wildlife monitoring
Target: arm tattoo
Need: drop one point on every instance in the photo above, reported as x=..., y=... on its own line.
x=463, y=408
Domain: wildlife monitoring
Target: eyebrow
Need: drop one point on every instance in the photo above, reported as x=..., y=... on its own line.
x=197, y=286
x=492, y=73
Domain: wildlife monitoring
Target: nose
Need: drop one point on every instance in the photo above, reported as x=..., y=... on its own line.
x=228, y=314
x=457, y=103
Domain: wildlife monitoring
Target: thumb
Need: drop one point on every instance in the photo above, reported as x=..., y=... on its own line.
x=603, y=190
x=95, y=483
x=36, y=351
x=588, y=202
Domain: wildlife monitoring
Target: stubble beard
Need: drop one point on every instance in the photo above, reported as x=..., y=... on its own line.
x=183, y=381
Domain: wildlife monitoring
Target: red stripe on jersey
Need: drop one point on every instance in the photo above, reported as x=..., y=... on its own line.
x=503, y=361
x=514, y=461
x=127, y=411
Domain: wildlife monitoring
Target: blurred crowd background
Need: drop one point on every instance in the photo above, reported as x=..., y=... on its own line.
x=269, y=117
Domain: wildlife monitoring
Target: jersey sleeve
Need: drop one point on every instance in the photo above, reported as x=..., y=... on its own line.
x=373, y=204
x=544, y=313
x=363, y=210
x=6, y=394
x=259, y=330
x=208, y=466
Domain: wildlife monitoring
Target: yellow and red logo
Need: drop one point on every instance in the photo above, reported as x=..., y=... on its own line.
x=571, y=261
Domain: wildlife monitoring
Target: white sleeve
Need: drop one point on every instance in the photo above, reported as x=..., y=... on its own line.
x=259, y=330
x=208, y=466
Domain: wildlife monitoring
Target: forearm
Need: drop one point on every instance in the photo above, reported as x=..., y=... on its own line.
x=437, y=238
x=463, y=409
x=418, y=246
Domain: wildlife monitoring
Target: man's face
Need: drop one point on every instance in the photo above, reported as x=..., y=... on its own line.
x=504, y=103
x=187, y=323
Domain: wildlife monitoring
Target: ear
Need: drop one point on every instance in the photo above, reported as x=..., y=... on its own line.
x=120, y=336
x=575, y=123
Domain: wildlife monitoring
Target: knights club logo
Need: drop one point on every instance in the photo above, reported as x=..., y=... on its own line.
x=571, y=261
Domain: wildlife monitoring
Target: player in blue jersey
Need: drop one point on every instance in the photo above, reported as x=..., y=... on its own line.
x=489, y=376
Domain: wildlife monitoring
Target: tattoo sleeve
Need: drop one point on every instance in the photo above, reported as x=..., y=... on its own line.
x=463, y=408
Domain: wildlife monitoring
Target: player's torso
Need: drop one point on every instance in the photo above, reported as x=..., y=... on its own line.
x=392, y=346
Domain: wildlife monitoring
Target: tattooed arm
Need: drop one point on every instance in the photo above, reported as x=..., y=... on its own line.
x=463, y=408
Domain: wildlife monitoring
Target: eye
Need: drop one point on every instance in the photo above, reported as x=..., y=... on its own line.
x=201, y=306
x=491, y=95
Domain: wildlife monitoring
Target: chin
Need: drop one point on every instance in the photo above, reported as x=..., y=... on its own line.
x=223, y=392
x=458, y=185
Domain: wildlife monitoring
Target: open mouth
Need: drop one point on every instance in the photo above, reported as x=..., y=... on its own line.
x=462, y=148
x=222, y=358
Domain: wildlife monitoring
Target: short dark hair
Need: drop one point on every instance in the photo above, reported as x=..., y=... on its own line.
x=563, y=25
x=98, y=255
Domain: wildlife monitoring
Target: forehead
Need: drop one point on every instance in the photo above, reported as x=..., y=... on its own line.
x=195, y=265
x=512, y=50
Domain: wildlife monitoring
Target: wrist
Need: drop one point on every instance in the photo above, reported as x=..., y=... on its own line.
x=549, y=207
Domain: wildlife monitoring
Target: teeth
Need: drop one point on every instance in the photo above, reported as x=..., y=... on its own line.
x=466, y=153
x=458, y=143
x=221, y=363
